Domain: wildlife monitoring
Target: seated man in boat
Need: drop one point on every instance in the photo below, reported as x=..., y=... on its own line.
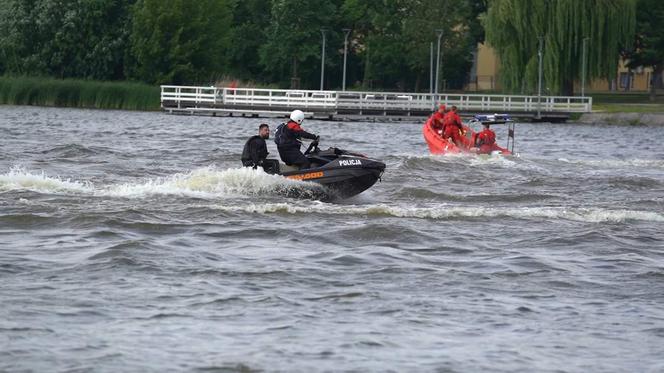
x=485, y=141
x=437, y=119
x=453, y=129
x=288, y=142
x=255, y=151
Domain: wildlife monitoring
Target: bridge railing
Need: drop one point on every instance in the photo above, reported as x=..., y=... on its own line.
x=278, y=98
x=188, y=94
x=367, y=101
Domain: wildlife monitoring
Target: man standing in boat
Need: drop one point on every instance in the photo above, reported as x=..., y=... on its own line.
x=453, y=128
x=438, y=119
x=288, y=137
x=255, y=151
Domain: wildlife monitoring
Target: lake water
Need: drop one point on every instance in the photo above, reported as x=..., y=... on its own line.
x=135, y=242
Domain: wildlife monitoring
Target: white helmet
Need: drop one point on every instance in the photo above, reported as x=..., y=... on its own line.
x=297, y=116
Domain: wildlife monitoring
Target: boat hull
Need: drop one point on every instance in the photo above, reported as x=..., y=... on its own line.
x=438, y=145
x=342, y=178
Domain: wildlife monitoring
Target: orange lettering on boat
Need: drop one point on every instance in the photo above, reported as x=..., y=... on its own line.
x=307, y=176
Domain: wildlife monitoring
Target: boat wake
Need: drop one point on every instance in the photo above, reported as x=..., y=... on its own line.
x=210, y=183
x=207, y=182
x=18, y=178
x=445, y=212
x=214, y=184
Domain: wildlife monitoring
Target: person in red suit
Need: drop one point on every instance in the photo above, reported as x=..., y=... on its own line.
x=453, y=128
x=486, y=141
x=437, y=119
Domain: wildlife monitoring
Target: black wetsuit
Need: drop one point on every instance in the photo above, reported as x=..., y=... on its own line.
x=255, y=154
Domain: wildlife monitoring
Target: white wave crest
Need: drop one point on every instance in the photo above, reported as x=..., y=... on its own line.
x=591, y=215
x=495, y=161
x=617, y=163
x=18, y=178
x=209, y=182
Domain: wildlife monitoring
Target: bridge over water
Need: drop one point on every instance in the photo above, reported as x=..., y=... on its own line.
x=353, y=105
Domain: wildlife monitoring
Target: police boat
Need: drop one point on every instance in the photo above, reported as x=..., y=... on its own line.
x=343, y=173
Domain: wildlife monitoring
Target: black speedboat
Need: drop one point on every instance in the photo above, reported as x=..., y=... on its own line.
x=342, y=173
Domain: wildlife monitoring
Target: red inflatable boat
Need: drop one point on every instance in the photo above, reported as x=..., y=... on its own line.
x=438, y=145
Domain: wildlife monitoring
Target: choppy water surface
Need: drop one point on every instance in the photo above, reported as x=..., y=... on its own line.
x=134, y=242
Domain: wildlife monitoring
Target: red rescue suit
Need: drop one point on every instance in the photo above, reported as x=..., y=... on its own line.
x=453, y=129
x=437, y=121
x=486, y=142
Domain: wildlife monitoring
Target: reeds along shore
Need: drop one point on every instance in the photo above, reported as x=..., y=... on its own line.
x=78, y=93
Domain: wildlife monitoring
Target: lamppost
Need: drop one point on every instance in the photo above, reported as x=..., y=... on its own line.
x=583, y=67
x=440, y=35
x=539, y=79
x=322, y=59
x=346, y=33
x=431, y=68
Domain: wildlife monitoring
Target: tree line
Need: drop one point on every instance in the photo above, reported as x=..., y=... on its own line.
x=278, y=42
x=265, y=41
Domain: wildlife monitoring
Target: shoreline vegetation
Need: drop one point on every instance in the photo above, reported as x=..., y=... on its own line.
x=75, y=93
x=616, y=108
x=627, y=102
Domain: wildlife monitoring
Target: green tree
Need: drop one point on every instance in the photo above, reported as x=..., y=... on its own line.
x=458, y=41
x=293, y=45
x=250, y=20
x=477, y=9
x=379, y=30
x=79, y=38
x=192, y=42
x=513, y=27
x=19, y=38
x=649, y=45
x=180, y=41
x=393, y=40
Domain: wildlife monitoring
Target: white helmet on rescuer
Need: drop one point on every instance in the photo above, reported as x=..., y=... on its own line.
x=297, y=116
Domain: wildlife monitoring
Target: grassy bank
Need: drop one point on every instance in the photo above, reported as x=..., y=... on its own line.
x=627, y=103
x=78, y=93
x=628, y=108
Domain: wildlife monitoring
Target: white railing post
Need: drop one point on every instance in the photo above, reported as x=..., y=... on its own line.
x=178, y=90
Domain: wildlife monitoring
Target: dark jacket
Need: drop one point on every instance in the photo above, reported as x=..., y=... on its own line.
x=255, y=152
x=288, y=135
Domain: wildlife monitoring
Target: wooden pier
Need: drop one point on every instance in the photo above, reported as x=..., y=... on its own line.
x=352, y=105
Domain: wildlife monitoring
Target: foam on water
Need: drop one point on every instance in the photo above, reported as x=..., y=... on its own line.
x=590, y=215
x=206, y=182
x=18, y=178
x=617, y=163
x=209, y=182
x=470, y=160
